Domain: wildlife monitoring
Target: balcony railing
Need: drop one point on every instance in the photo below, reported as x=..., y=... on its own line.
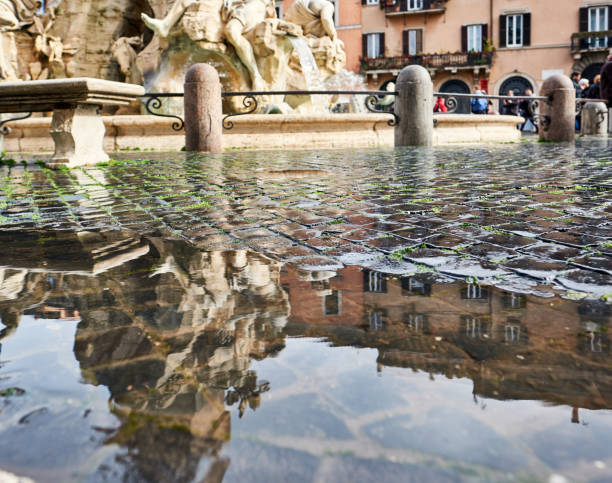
x=591, y=41
x=427, y=60
x=408, y=7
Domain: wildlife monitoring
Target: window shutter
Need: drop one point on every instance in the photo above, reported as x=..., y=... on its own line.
x=419, y=42
x=405, y=42
x=427, y=4
x=485, y=34
x=609, y=23
x=464, y=39
x=527, y=29
x=363, y=2
x=382, y=45
x=583, y=15
x=364, y=46
x=502, y=30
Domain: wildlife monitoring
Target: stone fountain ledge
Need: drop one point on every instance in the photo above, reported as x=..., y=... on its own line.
x=272, y=131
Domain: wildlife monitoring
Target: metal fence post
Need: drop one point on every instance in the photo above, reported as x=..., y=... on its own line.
x=203, y=112
x=558, y=115
x=594, y=119
x=414, y=106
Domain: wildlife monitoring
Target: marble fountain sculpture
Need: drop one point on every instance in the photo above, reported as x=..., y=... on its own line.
x=252, y=49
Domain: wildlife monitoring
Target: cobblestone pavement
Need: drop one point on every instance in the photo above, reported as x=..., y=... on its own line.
x=524, y=217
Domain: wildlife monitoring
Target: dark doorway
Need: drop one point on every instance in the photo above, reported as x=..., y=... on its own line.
x=517, y=84
x=591, y=71
x=459, y=87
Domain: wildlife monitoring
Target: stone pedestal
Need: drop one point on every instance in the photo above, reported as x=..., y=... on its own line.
x=78, y=134
x=594, y=119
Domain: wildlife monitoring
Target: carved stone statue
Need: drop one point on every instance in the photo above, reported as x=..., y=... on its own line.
x=240, y=17
x=14, y=15
x=316, y=17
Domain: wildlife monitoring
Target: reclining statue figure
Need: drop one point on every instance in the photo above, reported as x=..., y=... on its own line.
x=316, y=17
x=240, y=17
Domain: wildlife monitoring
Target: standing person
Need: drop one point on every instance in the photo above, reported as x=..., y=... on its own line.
x=478, y=103
x=605, y=91
x=594, y=90
x=511, y=106
x=440, y=105
x=584, y=87
x=575, y=79
x=526, y=111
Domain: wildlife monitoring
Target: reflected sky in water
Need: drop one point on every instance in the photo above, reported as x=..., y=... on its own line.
x=147, y=359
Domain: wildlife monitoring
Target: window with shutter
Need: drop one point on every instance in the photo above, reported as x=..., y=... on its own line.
x=474, y=38
x=374, y=45
x=514, y=30
x=598, y=22
x=412, y=40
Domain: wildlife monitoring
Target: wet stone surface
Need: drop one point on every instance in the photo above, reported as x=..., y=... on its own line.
x=487, y=214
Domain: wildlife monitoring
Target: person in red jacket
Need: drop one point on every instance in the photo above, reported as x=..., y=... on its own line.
x=440, y=105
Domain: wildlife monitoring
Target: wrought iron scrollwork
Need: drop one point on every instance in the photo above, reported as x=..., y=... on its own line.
x=451, y=104
x=155, y=102
x=250, y=104
x=6, y=130
x=372, y=103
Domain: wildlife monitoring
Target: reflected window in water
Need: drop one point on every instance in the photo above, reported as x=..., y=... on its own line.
x=376, y=320
x=475, y=327
x=412, y=286
x=374, y=282
x=474, y=292
x=512, y=333
x=332, y=303
x=513, y=301
x=417, y=322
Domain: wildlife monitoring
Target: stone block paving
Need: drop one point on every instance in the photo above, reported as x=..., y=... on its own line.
x=527, y=217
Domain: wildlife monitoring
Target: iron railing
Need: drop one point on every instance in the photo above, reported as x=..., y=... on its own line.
x=403, y=7
x=251, y=104
x=465, y=59
x=6, y=130
x=601, y=40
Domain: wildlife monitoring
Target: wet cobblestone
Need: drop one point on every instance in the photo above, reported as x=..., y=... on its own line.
x=529, y=215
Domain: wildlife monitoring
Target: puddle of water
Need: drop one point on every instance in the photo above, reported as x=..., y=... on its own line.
x=145, y=358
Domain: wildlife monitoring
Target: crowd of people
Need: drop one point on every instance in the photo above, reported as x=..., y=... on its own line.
x=600, y=89
x=479, y=104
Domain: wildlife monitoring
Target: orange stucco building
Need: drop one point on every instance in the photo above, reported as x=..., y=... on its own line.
x=497, y=44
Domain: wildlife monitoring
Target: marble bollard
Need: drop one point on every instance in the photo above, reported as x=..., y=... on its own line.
x=594, y=119
x=414, y=106
x=203, y=110
x=558, y=113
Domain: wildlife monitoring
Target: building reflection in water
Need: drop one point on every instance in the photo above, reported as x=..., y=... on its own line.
x=172, y=330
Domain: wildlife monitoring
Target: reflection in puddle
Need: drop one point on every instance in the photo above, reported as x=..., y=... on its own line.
x=147, y=358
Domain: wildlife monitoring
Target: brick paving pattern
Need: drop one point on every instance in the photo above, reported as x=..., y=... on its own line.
x=525, y=217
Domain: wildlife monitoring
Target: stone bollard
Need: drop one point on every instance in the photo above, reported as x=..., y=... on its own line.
x=594, y=119
x=414, y=106
x=203, y=112
x=558, y=115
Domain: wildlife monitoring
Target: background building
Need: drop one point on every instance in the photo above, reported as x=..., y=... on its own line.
x=497, y=44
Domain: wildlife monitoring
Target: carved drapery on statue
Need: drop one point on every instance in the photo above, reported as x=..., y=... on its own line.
x=45, y=57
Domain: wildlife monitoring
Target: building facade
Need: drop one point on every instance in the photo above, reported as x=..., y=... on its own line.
x=500, y=45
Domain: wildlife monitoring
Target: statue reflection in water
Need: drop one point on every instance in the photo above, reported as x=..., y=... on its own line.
x=172, y=332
